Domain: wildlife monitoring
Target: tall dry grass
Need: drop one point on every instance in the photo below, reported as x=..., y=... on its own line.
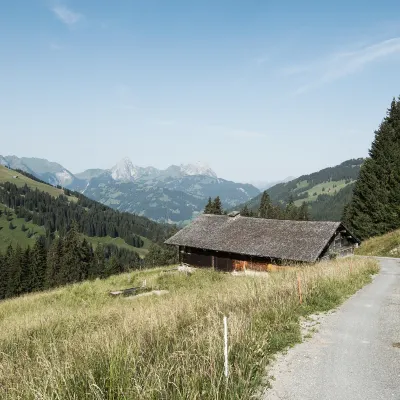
x=387, y=245
x=78, y=343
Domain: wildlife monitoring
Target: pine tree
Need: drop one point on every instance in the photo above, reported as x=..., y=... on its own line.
x=291, y=209
x=375, y=206
x=26, y=275
x=2, y=277
x=15, y=273
x=217, y=206
x=70, y=270
x=98, y=266
x=208, y=209
x=114, y=266
x=38, y=264
x=5, y=270
x=245, y=212
x=53, y=265
x=303, y=214
x=86, y=258
x=264, y=210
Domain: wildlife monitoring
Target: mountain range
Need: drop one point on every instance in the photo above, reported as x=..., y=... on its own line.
x=173, y=195
x=180, y=192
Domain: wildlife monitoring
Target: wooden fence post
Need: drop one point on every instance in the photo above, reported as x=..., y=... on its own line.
x=226, y=347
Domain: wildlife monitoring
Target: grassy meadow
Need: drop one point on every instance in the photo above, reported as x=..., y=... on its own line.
x=142, y=251
x=77, y=342
x=328, y=188
x=17, y=235
x=7, y=175
x=387, y=245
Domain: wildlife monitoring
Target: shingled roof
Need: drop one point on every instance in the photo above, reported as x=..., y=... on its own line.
x=257, y=237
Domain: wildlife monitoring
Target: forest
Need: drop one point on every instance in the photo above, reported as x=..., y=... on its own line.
x=63, y=255
x=93, y=219
x=61, y=260
x=265, y=209
x=375, y=205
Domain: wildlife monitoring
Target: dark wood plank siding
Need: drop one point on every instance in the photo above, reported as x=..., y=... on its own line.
x=196, y=257
x=341, y=245
x=223, y=263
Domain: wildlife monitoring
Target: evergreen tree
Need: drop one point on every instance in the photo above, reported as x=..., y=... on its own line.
x=114, y=266
x=264, y=210
x=15, y=273
x=86, y=258
x=71, y=270
x=375, y=205
x=98, y=266
x=38, y=264
x=2, y=277
x=5, y=269
x=53, y=265
x=244, y=211
x=208, y=209
x=217, y=206
x=26, y=274
x=303, y=213
x=291, y=209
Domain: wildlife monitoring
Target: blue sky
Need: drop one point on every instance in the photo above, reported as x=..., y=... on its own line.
x=260, y=90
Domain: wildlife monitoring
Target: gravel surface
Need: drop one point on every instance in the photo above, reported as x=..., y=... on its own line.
x=354, y=353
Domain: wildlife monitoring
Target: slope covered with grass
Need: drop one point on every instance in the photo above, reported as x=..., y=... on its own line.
x=387, y=245
x=77, y=342
x=37, y=207
x=25, y=234
x=20, y=180
x=17, y=235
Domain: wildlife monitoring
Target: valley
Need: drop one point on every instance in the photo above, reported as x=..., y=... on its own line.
x=174, y=195
x=178, y=194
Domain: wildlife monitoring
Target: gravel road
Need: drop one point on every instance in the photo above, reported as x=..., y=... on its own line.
x=354, y=354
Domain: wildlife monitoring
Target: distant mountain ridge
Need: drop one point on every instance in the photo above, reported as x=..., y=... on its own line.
x=173, y=195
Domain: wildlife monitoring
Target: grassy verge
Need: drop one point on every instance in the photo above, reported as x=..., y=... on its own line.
x=387, y=245
x=78, y=343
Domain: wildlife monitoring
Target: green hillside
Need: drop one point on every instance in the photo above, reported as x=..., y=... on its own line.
x=25, y=234
x=16, y=234
x=18, y=179
x=326, y=191
x=52, y=209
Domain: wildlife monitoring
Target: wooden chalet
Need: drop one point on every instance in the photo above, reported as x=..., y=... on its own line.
x=232, y=242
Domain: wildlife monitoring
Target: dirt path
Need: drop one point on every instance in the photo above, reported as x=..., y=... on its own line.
x=354, y=355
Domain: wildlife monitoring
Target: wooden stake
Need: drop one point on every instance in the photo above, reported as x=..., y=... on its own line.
x=299, y=287
x=226, y=347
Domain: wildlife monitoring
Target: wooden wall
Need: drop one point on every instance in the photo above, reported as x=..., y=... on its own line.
x=341, y=245
x=223, y=261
